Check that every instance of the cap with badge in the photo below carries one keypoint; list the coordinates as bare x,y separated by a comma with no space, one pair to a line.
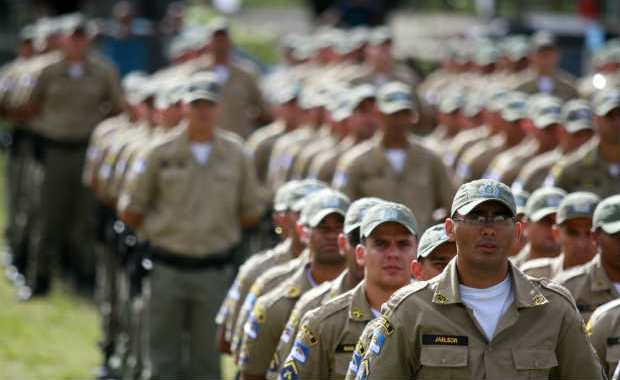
543,202
546,111
606,101
203,86
580,204
293,196
356,212
452,101
394,97
521,197
361,93
542,40
607,215
577,116
168,96
386,212
471,194
432,238
321,204
514,107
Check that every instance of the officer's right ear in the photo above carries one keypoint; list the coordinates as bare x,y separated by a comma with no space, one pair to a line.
302,232
448,225
360,255
416,270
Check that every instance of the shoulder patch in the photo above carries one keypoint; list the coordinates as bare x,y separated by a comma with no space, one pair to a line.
401,294
557,288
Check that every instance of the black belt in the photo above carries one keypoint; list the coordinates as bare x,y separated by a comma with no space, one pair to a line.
65,144
212,261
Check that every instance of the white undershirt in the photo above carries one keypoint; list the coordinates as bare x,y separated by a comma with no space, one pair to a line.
375,312
76,70
397,158
488,304
310,278
221,73
201,152
617,286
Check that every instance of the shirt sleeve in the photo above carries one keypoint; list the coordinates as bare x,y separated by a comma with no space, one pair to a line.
140,190
573,339
308,359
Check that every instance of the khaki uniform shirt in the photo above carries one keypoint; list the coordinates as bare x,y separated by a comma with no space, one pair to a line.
506,166
307,155
324,165
328,336
261,143
284,153
427,333
190,208
311,300
72,107
587,171
361,347
248,273
462,142
562,86
544,267
535,172
604,330
242,102
103,136
475,160
424,185
264,284
589,285
267,321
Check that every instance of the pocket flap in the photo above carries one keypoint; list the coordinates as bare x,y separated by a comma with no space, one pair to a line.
441,356
534,359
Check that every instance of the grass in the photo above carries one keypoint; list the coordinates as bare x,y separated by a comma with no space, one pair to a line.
53,338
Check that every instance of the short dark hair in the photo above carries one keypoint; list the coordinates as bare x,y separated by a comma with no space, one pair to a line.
353,237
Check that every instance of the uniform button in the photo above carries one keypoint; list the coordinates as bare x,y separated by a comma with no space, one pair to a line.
443,361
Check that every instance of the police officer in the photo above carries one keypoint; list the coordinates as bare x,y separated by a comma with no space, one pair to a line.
577,129
598,281
596,167
322,221
327,338
193,234
285,219
434,252
604,334
69,99
347,241
540,211
481,317
573,232
393,166
545,75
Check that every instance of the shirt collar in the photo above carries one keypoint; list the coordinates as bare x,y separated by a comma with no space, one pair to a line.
359,309
526,293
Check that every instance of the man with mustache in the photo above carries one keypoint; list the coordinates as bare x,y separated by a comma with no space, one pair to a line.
481,318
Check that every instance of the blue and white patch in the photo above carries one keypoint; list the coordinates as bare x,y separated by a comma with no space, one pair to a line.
138,167
354,364
299,352
249,302
251,328
362,373
377,342
289,371
287,333
340,179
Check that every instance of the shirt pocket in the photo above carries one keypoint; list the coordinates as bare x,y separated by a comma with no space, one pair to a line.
534,363
444,362
341,364
173,183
